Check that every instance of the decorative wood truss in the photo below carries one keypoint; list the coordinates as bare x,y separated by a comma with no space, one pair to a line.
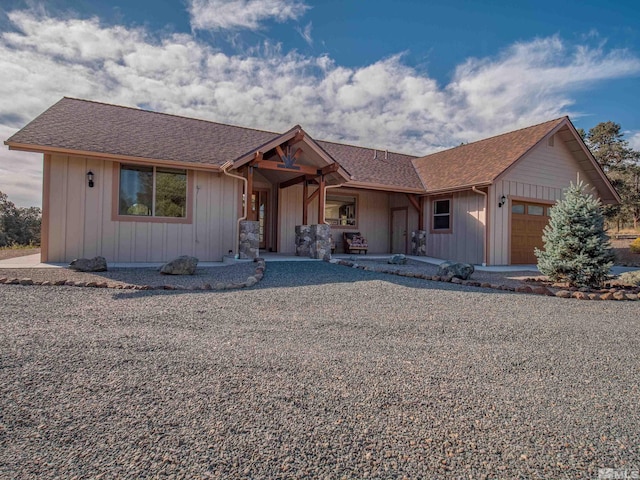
286,161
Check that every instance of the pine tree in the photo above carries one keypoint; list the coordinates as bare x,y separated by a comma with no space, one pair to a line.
576,246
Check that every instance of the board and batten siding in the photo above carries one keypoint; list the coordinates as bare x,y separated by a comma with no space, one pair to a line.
81,225
465,243
541,175
372,215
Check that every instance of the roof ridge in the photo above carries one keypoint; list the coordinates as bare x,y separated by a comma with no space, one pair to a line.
137,109
368,148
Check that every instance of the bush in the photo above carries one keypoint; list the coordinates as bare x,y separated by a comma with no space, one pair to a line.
635,246
631,278
576,246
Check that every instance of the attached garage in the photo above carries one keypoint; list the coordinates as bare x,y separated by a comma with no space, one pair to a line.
527,223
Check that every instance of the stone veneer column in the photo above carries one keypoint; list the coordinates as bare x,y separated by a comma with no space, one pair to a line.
321,246
304,237
419,243
249,242
313,241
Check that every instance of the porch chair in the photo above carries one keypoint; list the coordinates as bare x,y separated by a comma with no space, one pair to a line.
354,242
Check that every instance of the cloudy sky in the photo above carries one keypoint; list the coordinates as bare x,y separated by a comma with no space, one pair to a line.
410,75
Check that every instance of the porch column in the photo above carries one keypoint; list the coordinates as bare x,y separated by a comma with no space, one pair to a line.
305,202
251,212
321,199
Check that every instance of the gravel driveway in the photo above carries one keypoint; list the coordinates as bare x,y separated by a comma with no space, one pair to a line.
319,371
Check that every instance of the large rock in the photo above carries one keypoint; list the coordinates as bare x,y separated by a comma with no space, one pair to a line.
397,259
457,270
95,264
184,265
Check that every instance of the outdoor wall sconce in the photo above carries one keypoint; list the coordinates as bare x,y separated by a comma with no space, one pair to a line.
502,201
90,178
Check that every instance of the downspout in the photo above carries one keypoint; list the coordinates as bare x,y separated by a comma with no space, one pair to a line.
246,202
327,187
486,224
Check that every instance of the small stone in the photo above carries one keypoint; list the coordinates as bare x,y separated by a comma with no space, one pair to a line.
606,296
456,269
207,286
26,281
3,279
60,282
542,291
594,296
631,296
580,295
619,295
92,284
251,281
219,286
485,285
102,285
563,294
398,259
46,283
524,289
436,278
70,283
455,280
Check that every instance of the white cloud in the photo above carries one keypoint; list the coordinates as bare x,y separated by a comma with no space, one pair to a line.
387,104
247,14
305,33
634,141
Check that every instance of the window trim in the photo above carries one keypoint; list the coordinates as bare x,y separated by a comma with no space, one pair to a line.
356,197
433,215
115,212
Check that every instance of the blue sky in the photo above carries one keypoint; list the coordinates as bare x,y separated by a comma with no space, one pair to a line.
410,76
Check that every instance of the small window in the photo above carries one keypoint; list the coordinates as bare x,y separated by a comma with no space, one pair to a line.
535,209
442,215
517,208
341,210
152,192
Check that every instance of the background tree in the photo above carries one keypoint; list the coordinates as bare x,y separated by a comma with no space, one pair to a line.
621,164
18,226
576,246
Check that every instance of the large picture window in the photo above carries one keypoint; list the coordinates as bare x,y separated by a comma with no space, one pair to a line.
441,221
152,192
341,210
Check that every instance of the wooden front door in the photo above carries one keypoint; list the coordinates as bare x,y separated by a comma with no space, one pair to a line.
527,223
399,230
260,205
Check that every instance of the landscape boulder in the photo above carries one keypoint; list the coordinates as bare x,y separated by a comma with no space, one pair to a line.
398,259
184,265
454,269
95,264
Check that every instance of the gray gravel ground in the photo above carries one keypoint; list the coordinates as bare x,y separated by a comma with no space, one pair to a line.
319,371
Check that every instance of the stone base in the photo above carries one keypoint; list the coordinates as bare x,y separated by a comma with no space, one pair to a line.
249,243
313,241
419,243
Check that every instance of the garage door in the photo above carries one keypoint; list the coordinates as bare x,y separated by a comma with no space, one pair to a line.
527,222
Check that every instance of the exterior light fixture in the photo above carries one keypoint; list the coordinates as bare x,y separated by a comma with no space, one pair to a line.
502,201
90,178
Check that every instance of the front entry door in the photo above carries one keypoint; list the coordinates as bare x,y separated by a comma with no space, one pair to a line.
399,230
260,204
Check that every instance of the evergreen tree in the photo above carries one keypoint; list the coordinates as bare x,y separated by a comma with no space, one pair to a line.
576,246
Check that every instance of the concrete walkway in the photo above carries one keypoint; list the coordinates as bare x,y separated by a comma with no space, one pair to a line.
33,261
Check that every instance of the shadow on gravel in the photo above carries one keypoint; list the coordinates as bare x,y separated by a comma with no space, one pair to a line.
299,274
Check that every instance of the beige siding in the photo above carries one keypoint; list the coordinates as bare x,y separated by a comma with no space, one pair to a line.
541,175
373,218
465,243
81,225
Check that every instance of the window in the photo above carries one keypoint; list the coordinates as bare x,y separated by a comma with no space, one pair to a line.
152,192
517,208
441,215
341,210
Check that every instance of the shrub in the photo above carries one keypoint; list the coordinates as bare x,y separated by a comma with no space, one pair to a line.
631,278
635,246
576,246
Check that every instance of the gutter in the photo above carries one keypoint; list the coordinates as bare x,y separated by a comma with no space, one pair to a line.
224,169
486,224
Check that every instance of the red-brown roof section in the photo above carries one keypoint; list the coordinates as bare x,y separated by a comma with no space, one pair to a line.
481,162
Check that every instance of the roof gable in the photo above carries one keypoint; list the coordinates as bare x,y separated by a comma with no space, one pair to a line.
481,162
